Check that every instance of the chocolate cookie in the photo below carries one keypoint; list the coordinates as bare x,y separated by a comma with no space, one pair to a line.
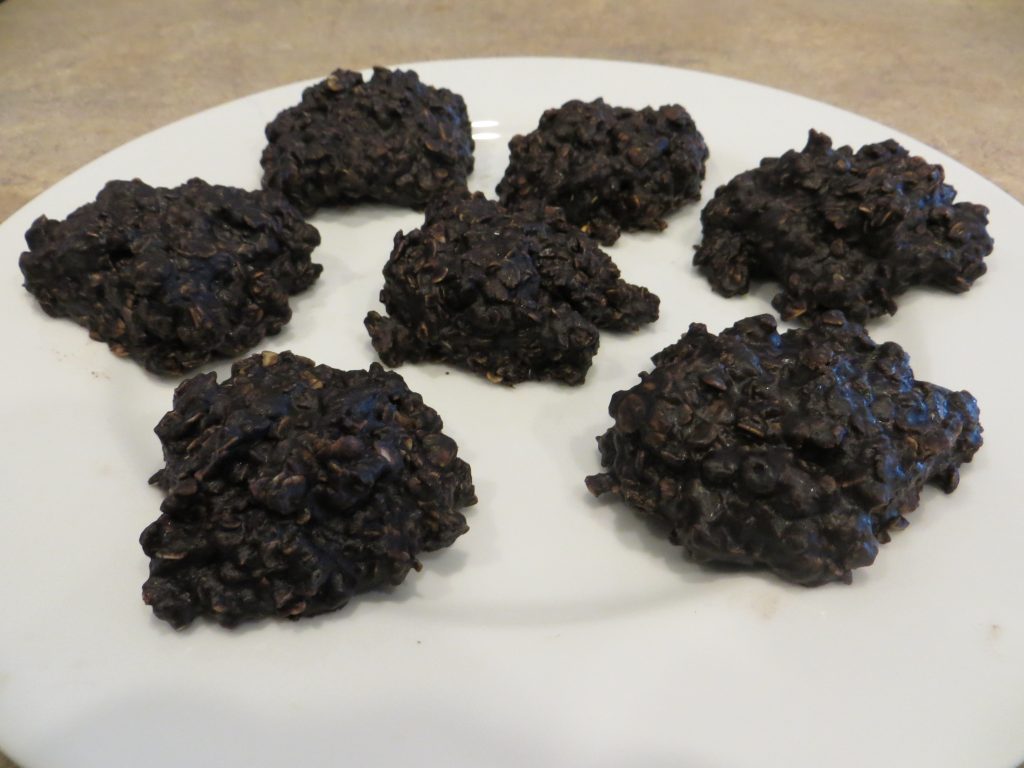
173,277
291,487
391,140
842,230
609,168
798,453
513,295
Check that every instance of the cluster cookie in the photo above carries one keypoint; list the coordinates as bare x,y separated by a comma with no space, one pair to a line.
798,452
173,277
608,168
391,139
291,487
843,230
510,294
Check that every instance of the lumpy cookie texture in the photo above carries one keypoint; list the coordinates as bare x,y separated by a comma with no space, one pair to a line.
843,230
797,452
173,277
291,487
391,139
609,168
511,294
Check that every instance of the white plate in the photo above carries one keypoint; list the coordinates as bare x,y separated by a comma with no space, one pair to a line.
558,631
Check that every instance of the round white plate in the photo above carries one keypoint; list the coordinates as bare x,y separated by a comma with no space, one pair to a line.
559,631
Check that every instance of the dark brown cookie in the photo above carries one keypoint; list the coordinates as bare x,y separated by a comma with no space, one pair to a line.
291,487
513,295
798,453
609,168
842,230
391,139
173,277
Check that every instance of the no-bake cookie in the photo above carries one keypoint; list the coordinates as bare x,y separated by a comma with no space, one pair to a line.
173,277
609,168
843,230
391,139
291,487
513,295
797,452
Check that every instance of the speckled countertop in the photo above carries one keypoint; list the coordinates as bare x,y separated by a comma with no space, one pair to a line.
80,78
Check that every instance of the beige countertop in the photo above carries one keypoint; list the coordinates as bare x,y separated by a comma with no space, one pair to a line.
80,78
